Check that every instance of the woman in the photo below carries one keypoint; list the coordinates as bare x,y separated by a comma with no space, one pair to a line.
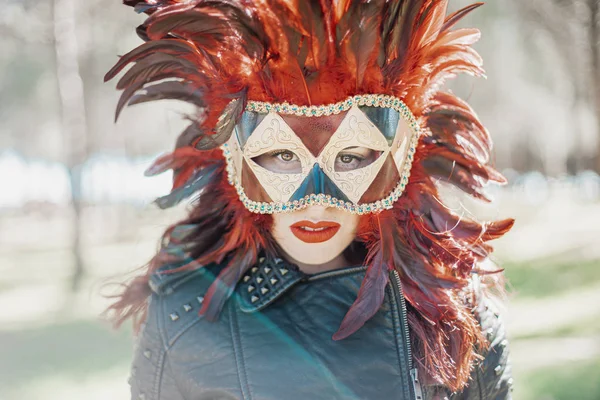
318,261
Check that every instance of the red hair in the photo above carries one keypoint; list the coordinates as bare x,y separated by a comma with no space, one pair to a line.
210,52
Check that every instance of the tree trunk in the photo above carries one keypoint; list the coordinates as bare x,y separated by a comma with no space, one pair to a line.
73,118
594,33
576,64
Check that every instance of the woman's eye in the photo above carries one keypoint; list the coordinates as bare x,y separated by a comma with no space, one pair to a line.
347,158
352,158
348,162
286,156
280,161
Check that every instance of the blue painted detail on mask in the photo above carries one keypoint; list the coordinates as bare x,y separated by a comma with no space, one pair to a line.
247,125
316,183
385,119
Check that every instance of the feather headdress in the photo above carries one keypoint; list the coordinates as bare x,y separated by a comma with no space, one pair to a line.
219,54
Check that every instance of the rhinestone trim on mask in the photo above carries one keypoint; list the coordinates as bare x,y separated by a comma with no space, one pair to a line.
372,100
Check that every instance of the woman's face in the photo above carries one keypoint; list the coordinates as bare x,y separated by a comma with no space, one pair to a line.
315,235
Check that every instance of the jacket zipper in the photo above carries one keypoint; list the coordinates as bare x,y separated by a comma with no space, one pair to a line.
414,373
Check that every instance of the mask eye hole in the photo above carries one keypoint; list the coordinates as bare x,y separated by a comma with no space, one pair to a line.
280,161
352,158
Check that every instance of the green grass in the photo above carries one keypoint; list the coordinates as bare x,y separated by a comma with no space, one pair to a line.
542,278
85,348
76,349
575,381
588,327
545,279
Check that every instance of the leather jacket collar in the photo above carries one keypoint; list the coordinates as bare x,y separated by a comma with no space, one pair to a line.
257,289
271,278
266,282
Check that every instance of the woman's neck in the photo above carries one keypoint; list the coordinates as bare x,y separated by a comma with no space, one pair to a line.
311,269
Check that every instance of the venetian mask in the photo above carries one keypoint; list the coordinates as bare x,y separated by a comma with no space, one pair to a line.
360,165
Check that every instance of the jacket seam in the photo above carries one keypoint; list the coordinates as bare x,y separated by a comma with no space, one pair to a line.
238,353
160,323
162,331
165,283
160,361
175,383
160,364
171,341
479,383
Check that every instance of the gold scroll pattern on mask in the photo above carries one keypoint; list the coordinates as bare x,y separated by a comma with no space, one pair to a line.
274,134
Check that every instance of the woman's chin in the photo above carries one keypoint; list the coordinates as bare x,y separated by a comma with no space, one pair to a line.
315,255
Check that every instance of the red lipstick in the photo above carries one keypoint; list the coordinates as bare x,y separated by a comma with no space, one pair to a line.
311,232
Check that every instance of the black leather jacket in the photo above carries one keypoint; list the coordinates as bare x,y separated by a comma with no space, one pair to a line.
273,341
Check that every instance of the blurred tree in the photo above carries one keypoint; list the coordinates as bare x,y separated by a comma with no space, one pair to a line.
25,49
53,56
594,39
574,28
73,117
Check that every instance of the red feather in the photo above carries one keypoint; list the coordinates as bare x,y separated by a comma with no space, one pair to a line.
210,52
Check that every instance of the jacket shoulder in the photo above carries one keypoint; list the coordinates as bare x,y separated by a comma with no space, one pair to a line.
494,373
491,377
172,309
177,298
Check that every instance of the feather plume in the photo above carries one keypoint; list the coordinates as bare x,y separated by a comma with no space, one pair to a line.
176,47
156,67
372,290
217,54
170,90
399,24
225,124
223,286
178,159
358,36
454,18
194,185
434,13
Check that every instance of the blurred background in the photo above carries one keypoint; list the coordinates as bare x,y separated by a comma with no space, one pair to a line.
76,212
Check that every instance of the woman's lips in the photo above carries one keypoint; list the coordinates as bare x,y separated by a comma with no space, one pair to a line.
310,232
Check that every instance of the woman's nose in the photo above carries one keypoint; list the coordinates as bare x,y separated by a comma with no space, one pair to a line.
317,212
